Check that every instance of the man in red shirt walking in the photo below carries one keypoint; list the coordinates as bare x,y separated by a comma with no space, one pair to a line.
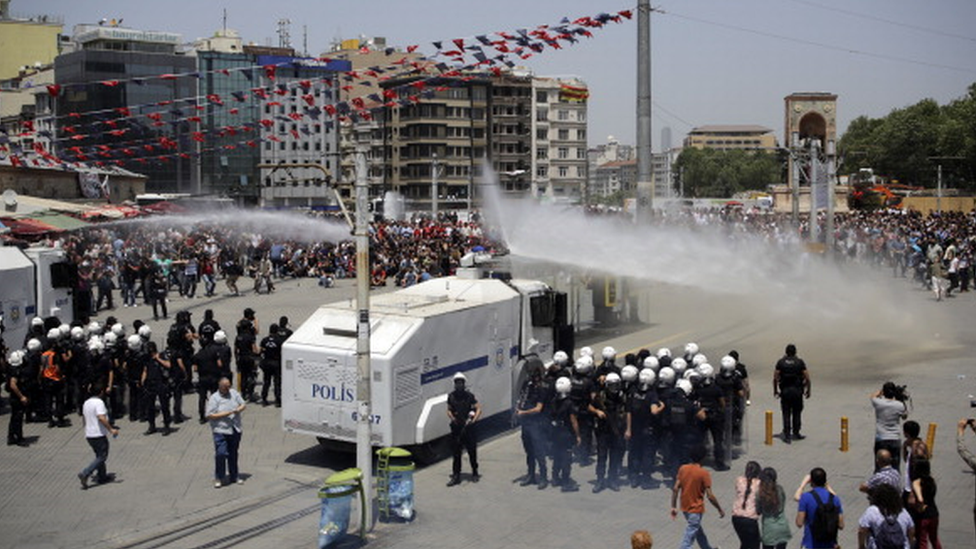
694,483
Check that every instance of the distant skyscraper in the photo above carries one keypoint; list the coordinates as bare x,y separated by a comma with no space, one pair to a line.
665,138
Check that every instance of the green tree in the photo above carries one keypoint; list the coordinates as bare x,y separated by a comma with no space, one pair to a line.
721,174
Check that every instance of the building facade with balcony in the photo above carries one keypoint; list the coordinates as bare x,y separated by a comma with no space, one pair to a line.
559,139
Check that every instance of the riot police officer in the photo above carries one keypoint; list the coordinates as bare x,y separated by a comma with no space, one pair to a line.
529,413
609,407
135,360
581,393
683,412
463,410
271,365
565,435
734,392
245,351
711,398
156,374
207,328
642,406
791,382
205,364
18,399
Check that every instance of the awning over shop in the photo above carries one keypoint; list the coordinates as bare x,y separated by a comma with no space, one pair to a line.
26,227
112,211
59,220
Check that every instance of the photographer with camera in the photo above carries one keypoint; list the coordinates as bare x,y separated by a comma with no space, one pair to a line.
964,452
890,408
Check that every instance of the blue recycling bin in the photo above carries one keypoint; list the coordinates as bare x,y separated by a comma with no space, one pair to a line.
337,494
395,486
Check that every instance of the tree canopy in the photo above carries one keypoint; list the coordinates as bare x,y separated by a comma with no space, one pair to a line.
905,144
721,174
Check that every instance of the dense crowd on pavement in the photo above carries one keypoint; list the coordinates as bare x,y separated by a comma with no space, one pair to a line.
657,412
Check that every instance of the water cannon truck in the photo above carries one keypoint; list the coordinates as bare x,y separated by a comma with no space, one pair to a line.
479,324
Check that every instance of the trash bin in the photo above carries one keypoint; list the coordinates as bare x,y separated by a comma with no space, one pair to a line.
337,494
395,486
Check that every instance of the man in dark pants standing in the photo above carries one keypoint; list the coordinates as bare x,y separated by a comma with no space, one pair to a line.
463,410
18,399
791,383
531,401
271,365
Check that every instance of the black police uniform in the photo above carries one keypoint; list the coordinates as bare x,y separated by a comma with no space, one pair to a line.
461,403
30,386
581,393
712,399
732,387
15,430
271,368
641,451
684,433
157,387
209,374
561,416
532,395
135,362
244,355
116,397
791,382
609,432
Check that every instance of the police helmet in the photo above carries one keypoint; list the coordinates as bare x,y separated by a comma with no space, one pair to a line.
563,386
728,364
691,374
647,376
77,333
111,339
613,381
706,370
666,376
652,363
220,337
685,386
37,322
54,334
560,358
34,345
118,329
134,342
586,351
145,331
679,365
15,358
65,329
460,376
691,349
609,353
583,365
663,352
94,328
699,359
96,346
628,373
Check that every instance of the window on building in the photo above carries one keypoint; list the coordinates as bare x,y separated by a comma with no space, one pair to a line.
542,171
542,134
541,97
563,114
563,171
563,153
581,154
581,135
541,153
542,115
580,171
564,135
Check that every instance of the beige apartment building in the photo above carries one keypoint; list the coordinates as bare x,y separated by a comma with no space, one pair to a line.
729,137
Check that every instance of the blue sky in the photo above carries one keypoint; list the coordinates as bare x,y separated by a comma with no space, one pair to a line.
714,61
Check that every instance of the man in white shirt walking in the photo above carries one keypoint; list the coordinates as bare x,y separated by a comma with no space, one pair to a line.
97,429
224,413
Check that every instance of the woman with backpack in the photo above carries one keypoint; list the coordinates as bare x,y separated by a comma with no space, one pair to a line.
771,505
885,524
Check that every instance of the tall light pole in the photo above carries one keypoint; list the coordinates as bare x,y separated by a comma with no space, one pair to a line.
938,195
364,447
433,187
645,167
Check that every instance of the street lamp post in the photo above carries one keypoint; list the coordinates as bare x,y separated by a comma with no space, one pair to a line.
433,186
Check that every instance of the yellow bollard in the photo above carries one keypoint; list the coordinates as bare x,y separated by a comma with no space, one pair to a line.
930,439
844,435
769,427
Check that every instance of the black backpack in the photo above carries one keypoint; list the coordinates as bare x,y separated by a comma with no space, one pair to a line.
826,520
889,534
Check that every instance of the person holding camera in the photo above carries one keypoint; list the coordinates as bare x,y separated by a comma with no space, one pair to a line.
964,452
890,408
